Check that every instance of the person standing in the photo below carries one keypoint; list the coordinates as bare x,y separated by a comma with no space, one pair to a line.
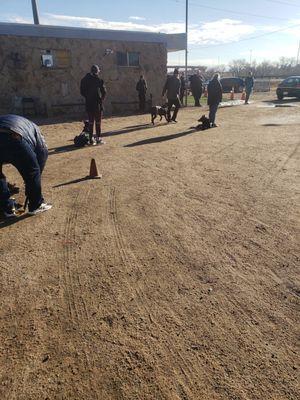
141,88
23,146
214,98
172,89
182,88
249,83
196,87
92,88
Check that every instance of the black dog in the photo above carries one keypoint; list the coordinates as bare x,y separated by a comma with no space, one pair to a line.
158,111
205,124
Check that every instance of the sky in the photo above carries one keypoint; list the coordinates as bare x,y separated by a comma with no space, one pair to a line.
219,30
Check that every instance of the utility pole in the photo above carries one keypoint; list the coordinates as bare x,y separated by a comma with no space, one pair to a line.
298,54
35,12
186,44
250,59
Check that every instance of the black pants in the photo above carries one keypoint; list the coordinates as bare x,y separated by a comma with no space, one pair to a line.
176,103
212,112
95,117
197,97
142,101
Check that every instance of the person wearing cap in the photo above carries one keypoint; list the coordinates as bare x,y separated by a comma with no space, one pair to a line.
92,88
172,89
141,88
23,146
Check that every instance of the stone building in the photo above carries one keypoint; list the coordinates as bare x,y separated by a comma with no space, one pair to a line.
41,66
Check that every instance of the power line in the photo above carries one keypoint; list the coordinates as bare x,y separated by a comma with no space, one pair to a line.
283,2
252,38
231,11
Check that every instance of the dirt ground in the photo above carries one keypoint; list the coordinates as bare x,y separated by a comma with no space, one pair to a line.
173,277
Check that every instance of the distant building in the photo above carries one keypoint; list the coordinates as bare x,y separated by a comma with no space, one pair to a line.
41,66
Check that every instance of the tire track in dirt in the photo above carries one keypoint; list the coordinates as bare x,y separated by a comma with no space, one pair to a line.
132,265
71,283
279,170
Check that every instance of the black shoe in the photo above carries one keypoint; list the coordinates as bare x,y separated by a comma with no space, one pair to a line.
174,120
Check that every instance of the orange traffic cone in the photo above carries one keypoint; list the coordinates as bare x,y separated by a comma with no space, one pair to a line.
243,97
232,93
94,170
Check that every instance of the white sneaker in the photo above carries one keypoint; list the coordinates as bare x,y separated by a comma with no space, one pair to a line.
43,207
100,141
10,214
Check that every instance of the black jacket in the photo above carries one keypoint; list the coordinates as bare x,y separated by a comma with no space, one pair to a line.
172,87
214,92
141,86
196,84
94,91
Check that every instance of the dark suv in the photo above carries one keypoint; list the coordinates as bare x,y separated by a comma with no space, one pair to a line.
229,83
290,87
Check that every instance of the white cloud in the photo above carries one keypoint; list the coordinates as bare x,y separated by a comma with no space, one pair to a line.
272,53
294,30
16,19
137,18
220,31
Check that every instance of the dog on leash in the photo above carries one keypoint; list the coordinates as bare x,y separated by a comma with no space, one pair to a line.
158,111
205,124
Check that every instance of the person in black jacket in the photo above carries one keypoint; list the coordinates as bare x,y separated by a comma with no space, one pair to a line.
141,87
182,88
214,98
172,88
94,91
196,87
23,146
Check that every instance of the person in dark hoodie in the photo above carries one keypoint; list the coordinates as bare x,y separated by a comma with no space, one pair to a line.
172,88
214,98
141,88
92,88
23,146
182,88
196,87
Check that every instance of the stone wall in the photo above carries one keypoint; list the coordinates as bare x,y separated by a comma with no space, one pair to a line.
56,90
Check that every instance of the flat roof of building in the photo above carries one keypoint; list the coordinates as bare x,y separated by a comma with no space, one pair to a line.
173,42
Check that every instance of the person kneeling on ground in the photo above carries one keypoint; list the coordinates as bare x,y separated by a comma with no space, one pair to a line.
23,146
214,98
172,88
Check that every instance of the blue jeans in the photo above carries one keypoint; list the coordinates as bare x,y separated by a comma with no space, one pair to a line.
21,155
212,112
6,204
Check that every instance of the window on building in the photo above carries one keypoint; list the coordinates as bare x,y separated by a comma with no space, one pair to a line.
128,59
56,59
133,59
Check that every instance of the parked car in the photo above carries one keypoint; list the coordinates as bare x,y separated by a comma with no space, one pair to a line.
290,87
229,83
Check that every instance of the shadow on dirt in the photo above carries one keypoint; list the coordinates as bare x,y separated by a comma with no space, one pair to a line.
132,128
5,222
271,125
161,138
283,103
86,178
